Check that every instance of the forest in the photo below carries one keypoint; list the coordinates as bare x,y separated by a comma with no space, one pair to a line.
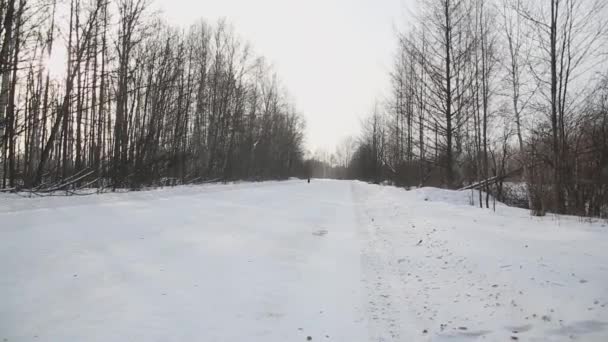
506,97
105,94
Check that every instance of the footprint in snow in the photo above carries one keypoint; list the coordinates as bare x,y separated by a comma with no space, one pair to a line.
320,233
519,328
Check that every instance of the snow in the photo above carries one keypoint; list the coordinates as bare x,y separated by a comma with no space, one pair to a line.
464,197
282,261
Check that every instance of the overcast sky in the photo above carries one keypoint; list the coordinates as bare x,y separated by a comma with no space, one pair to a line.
332,55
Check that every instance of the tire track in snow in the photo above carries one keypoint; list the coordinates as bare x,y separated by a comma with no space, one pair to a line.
385,301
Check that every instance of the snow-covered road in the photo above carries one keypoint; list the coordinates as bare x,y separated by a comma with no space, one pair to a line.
288,261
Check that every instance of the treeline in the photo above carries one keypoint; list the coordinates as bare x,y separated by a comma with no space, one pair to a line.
137,101
489,91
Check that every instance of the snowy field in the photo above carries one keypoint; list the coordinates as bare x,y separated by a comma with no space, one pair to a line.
290,261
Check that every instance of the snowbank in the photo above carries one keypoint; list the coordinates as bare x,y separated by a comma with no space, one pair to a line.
464,197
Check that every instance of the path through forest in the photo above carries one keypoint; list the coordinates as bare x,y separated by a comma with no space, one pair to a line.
285,261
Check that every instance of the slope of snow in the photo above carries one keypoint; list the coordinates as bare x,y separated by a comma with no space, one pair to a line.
464,273
465,197
284,261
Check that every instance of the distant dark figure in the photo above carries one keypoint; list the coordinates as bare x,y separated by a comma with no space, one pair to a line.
308,180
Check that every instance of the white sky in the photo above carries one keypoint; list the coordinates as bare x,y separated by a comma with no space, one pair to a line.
332,55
